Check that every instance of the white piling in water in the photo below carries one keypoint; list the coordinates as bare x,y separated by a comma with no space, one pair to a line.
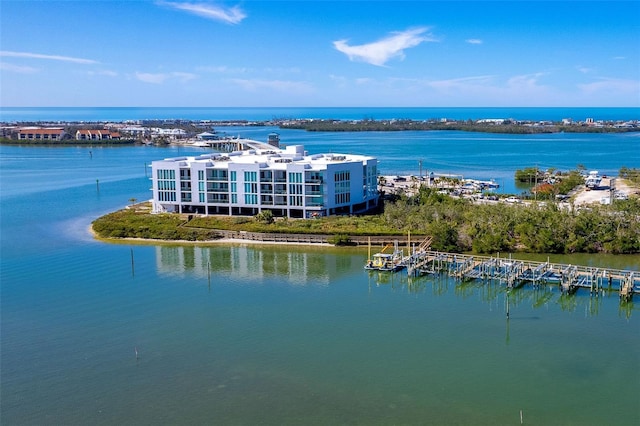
520,416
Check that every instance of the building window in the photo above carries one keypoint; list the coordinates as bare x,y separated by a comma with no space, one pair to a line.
266,176
295,177
295,189
217,175
343,198
166,196
251,188
342,187
295,200
166,174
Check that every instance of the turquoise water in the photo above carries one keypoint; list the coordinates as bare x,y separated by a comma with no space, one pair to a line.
471,155
277,334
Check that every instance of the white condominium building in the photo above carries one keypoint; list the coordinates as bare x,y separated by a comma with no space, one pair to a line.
289,183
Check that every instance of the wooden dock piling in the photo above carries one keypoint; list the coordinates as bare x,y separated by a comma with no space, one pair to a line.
514,273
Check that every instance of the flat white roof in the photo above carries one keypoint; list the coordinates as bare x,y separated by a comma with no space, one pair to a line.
272,157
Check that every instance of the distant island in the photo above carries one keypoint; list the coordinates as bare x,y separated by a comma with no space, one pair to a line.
168,131
500,125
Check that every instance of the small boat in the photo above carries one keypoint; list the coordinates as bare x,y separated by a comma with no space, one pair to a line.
391,262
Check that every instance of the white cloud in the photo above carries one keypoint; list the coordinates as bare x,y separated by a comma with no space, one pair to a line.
17,68
381,51
159,78
30,55
619,58
474,41
233,15
276,85
584,70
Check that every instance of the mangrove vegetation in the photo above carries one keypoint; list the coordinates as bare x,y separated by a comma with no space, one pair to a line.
456,225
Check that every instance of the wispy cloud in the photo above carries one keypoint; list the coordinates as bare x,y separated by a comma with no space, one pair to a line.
232,15
19,69
526,82
608,85
381,51
584,70
30,55
464,83
295,87
516,90
474,41
159,78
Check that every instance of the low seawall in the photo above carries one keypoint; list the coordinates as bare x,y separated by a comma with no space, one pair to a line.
312,238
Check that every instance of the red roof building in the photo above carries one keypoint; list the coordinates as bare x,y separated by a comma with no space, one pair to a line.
37,134
96,134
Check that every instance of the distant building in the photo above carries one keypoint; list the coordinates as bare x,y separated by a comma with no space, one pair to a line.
168,133
136,131
207,136
491,121
40,134
289,183
96,134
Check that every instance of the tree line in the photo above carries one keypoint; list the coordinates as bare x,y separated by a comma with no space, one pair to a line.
458,225
507,126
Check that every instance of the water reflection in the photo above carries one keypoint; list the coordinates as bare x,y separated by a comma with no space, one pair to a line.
244,262
498,296
297,267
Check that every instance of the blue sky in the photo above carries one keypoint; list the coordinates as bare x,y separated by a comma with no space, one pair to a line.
319,53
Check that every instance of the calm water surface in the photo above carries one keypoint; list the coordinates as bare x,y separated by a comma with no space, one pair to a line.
276,335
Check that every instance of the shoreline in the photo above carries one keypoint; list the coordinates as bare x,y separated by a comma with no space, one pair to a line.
219,241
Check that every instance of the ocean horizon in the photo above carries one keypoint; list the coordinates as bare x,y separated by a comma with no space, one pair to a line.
96,114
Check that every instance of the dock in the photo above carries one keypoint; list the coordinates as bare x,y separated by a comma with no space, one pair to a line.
515,273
